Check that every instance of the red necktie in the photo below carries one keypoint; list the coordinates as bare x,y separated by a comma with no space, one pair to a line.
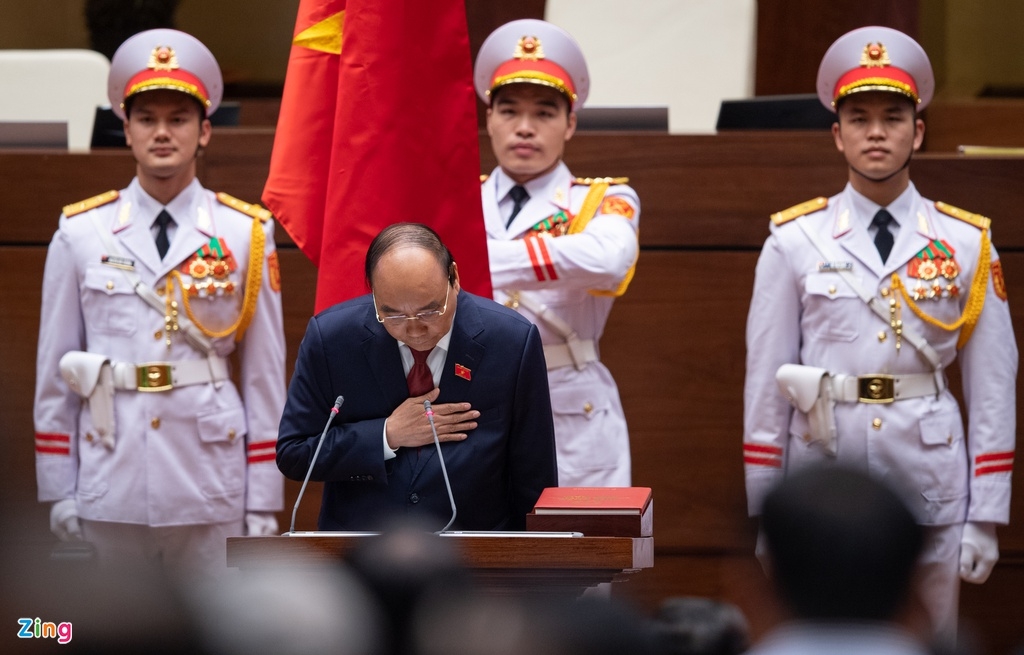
420,379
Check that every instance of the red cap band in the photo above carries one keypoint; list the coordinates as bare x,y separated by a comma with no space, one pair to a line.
542,71
175,80
884,78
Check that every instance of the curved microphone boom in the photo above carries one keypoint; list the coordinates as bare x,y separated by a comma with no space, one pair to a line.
440,457
309,471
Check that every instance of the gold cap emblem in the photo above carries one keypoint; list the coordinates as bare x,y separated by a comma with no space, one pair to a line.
875,56
529,48
163,59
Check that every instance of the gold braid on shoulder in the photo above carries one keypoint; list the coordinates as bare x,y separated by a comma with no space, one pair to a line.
253,281
591,204
975,298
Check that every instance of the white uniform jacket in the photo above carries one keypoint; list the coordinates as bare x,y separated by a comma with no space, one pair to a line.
803,312
190,455
535,257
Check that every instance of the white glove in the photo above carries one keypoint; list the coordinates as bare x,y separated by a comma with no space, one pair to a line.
64,520
979,551
260,524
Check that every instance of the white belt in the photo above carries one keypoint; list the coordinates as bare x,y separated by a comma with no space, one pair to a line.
164,376
575,352
885,388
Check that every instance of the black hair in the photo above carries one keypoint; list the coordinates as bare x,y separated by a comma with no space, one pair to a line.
408,234
691,625
843,545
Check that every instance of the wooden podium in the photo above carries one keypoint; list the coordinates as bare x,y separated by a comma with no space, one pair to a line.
502,564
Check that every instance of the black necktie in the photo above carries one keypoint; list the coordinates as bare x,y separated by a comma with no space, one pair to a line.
162,243
883,238
519,197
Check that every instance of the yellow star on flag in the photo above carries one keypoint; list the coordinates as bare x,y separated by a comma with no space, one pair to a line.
324,36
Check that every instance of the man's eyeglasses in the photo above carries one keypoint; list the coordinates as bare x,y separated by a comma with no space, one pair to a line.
426,317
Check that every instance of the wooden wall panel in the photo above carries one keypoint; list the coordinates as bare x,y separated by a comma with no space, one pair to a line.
703,191
982,122
22,520
38,183
793,35
675,345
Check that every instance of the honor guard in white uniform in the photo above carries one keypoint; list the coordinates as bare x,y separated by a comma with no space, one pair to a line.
861,302
144,444
561,248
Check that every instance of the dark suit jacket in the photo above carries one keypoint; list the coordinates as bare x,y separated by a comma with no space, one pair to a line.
496,474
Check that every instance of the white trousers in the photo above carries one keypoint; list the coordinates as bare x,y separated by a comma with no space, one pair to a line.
938,589
181,549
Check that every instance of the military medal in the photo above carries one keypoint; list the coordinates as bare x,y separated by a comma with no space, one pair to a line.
927,270
949,269
556,225
209,267
198,269
931,266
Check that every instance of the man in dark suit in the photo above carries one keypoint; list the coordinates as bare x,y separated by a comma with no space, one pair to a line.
419,337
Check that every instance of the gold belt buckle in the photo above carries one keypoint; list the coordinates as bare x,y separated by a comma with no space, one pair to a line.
876,389
153,377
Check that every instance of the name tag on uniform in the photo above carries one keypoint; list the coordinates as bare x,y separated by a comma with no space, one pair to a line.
118,262
834,267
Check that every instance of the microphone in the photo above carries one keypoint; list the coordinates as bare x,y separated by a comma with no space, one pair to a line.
440,457
309,471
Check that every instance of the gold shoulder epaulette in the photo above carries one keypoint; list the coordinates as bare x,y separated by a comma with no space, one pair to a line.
483,178
255,211
796,211
977,220
607,180
90,203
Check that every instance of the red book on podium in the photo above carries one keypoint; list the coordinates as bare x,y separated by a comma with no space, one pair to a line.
594,511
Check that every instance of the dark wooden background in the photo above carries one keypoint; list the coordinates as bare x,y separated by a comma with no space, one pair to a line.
675,342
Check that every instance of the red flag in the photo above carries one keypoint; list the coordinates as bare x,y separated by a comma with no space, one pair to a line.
378,126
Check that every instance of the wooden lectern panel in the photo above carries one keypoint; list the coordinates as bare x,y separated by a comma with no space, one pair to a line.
504,552
500,564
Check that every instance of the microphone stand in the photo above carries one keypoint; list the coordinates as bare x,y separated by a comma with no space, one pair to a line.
444,471
309,471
